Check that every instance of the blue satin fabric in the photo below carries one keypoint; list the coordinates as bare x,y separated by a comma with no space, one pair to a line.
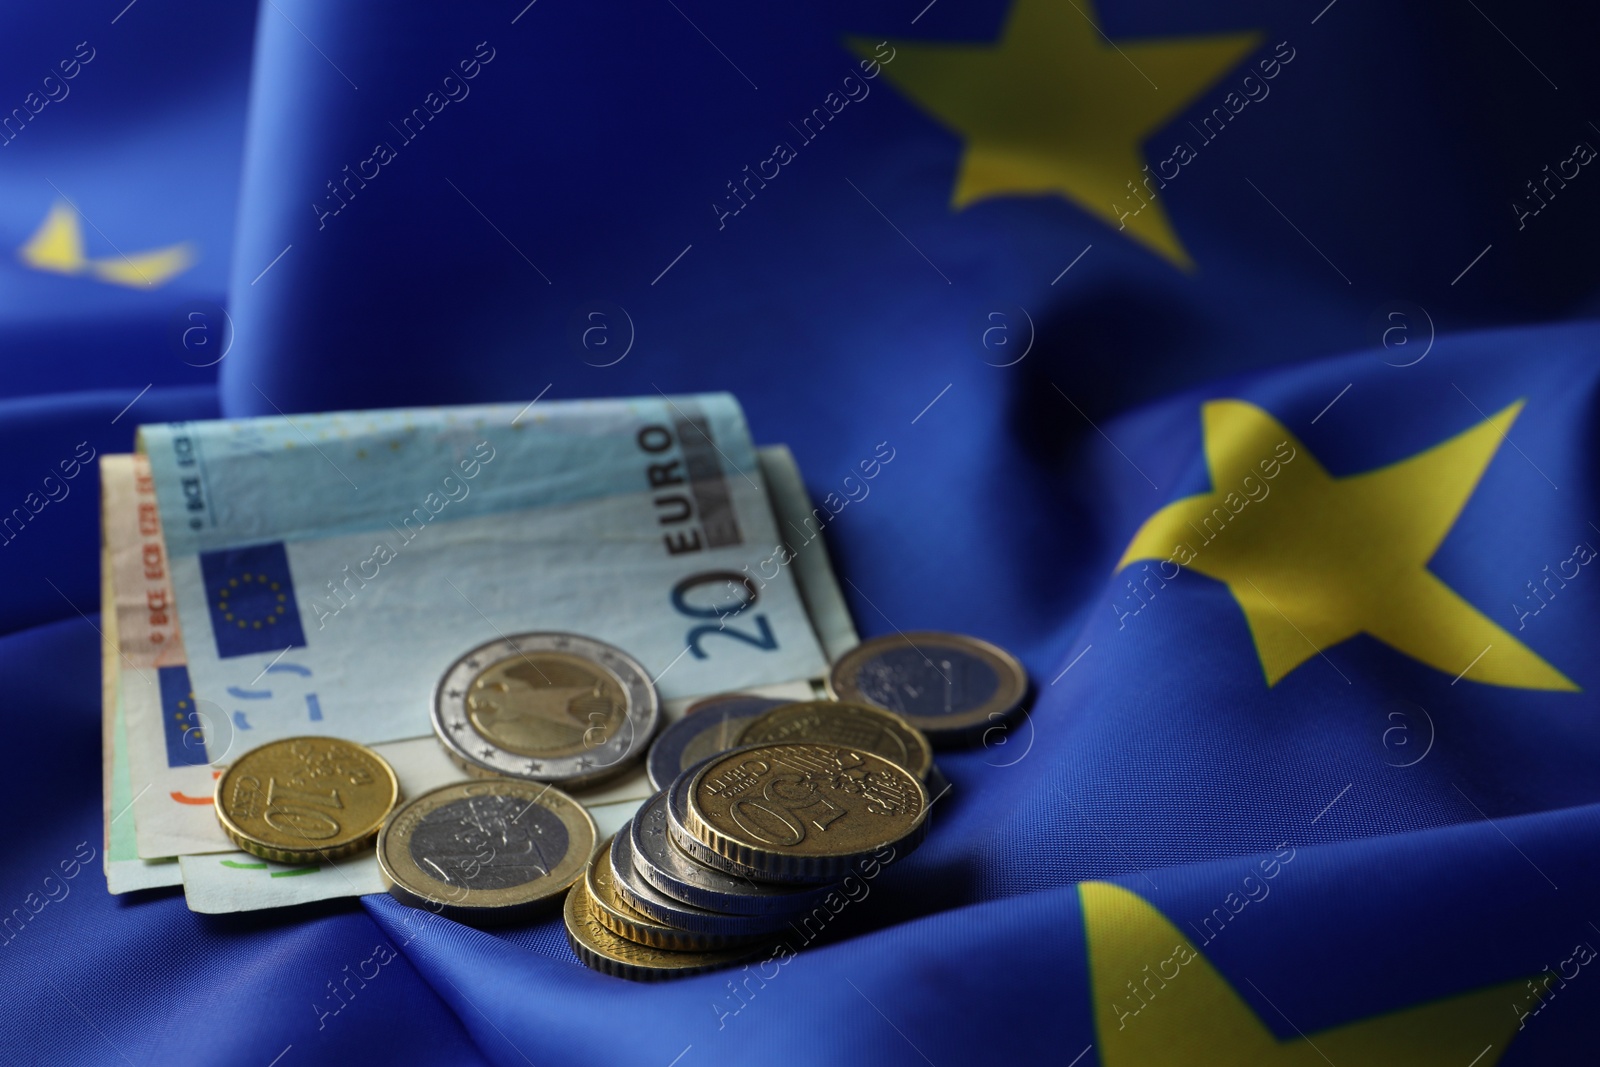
585,159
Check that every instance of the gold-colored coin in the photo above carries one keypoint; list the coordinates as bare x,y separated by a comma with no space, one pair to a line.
550,707
623,920
859,726
546,704
486,851
805,812
603,950
306,799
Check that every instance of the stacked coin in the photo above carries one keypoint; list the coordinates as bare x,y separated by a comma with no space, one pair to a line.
835,722
709,726
711,869
719,723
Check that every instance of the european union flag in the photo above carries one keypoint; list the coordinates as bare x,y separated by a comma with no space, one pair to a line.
181,724
1237,362
250,595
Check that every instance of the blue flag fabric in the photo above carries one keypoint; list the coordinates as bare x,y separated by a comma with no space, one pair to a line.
1236,367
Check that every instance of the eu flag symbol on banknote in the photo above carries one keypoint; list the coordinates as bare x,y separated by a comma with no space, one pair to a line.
181,724
251,598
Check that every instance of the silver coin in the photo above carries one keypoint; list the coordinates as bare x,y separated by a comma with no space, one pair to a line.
950,686
711,726
644,897
546,707
485,851
668,869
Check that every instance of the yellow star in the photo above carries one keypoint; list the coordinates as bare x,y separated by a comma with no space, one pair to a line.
1055,107
57,246
1158,1001
1313,559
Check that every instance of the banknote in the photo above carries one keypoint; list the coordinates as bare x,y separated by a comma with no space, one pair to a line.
172,807
123,868
327,568
217,883
799,539
162,744
125,871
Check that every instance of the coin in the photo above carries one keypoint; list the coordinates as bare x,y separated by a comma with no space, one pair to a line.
621,918
306,799
669,870
683,837
485,851
709,727
804,812
603,950
832,722
550,707
950,686
646,899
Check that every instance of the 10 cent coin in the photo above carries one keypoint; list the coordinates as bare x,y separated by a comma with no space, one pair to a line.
306,799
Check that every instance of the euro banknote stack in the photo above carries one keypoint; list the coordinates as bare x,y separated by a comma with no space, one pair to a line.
313,575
